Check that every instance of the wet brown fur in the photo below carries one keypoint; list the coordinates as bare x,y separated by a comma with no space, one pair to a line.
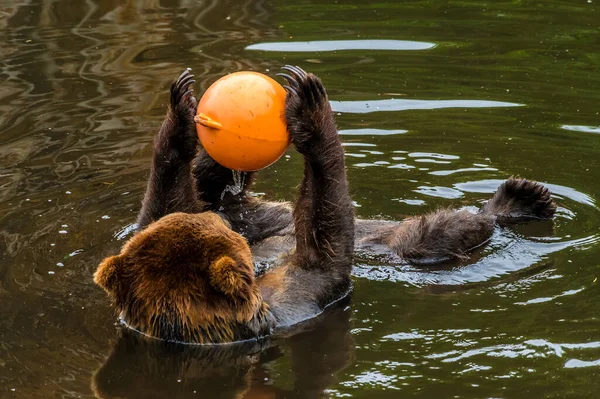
447,234
184,274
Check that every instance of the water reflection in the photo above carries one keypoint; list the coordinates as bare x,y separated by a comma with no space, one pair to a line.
576,363
85,86
508,251
371,132
462,170
433,155
416,157
338,45
439,191
489,186
580,128
550,299
365,107
468,353
139,367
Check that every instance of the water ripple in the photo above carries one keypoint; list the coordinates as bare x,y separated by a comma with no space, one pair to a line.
581,128
439,191
551,298
365,107
512,253
459,340
371,132
451,172
337,45
432,155
490,186
576,363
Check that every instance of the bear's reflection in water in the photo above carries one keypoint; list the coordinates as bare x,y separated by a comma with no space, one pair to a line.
142,367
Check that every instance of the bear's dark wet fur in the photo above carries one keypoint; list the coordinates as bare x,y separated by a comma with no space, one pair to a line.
188,274
448,234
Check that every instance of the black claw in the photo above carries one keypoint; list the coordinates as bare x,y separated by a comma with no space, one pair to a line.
291,81
183,74
300,72
290,89
187,92
287,77
287,68
188,80
305,85
182,89
295,70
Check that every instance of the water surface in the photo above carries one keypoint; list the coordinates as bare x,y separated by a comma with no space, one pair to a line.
446,101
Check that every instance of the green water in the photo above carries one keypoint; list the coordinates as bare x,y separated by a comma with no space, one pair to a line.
465,95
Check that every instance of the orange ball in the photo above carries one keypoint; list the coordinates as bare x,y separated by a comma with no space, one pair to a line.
240,121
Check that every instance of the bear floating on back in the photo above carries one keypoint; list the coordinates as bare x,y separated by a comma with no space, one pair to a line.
188,274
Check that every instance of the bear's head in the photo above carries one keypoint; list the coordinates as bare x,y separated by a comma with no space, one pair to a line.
186,278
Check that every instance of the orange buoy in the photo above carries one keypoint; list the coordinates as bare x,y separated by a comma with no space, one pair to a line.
240,121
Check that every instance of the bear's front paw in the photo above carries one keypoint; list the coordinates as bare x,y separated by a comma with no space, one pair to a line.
183,102
307,110
178,134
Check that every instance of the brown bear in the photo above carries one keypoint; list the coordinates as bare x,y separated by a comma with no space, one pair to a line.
188,275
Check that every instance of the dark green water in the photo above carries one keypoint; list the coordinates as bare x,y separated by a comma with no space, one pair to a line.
472,93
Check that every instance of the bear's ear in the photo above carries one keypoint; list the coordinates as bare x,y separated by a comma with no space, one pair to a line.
230,278
107,273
